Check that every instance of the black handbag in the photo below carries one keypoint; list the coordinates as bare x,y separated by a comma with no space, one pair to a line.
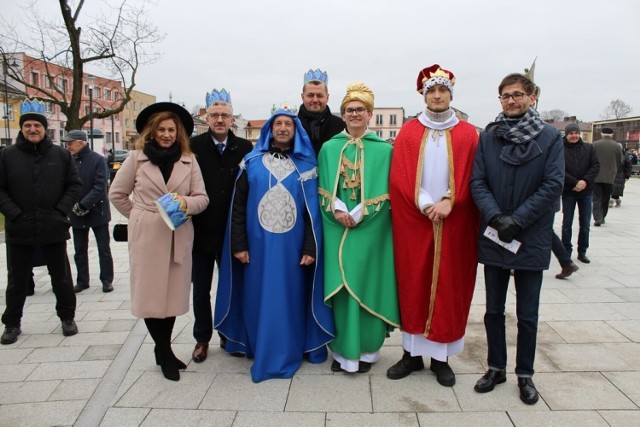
120,232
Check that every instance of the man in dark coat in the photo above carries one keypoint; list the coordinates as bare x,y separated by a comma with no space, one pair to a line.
219,153
516,181
610,156
581,168
91,212
316,117
38,186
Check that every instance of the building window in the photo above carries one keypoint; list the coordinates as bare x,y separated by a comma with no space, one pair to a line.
97,94
379,133
393,120
392,134
65,85
134,105
107,94
61,134
378,120
51,133
8,113
116,95
126,123
47,82
86,110
49,107
108,138
117,137
34,78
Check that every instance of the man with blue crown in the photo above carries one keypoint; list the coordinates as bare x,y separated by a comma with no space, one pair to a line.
219,152
39,185
269,304
316,117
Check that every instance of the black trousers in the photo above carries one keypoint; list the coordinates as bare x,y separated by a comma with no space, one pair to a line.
19,274
202,276
81,256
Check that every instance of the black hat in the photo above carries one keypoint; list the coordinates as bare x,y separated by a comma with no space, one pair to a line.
183,115
607,131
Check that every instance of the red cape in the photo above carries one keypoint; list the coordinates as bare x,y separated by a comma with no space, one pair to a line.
439,313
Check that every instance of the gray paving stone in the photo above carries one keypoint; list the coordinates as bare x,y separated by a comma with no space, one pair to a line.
11,355
109,314
55,354
337,419
304,396
466,419
281,419
558,418
119,325
13,373
69,370
25,392
415,393
587,332
124,417
33,341
178,418
628,352
80,389
86,326
627,294
585,357
579,311
627,383
628,328
630,310
101,352
505,397
41,413
591,295
237,392
580,391
621,418
153,390
96,338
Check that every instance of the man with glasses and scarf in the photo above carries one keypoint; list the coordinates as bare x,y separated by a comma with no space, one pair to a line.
517,179
316,117
219,153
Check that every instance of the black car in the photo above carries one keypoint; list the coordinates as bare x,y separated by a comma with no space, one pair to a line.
115,161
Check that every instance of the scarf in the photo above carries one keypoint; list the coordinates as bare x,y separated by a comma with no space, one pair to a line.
519,135
164,158
314,122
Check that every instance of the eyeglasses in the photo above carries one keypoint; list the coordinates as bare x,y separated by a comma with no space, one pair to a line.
517,96
217,116
358,110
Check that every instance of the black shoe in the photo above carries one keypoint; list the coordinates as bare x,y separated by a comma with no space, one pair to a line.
179,363
489,380
10,334
69,327
405,366
583,258
444,373
79,288
528,392
364,367
335,366
567,271
107,287
168,364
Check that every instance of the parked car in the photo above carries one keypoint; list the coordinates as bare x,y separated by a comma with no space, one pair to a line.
114,161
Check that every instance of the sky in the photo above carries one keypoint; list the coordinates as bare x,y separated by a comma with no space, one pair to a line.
587,51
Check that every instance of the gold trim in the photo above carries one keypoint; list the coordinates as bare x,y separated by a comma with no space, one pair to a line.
452,180
437,237
418,180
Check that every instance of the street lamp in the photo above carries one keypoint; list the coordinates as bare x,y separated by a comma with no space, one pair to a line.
5,70
90,78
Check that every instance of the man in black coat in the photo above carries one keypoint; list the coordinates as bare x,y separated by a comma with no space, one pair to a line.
219,153
91,212
316,117
38,186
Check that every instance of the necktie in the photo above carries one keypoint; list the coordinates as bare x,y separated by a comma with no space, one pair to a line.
220,148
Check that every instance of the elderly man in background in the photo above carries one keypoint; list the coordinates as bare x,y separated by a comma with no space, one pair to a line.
609,154
92,211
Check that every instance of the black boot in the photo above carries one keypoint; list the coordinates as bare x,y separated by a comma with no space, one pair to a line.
405,366
164,355
444,373
169,323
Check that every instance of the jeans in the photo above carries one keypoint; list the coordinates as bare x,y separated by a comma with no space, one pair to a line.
601,196
559,251
569,203
202,276
19,271
81,256
528,285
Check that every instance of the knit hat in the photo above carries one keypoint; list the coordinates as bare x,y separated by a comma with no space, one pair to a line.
33,110
434,75
607,131
358,92
571,127
75,135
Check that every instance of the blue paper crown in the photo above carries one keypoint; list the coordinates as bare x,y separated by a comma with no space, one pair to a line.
316,75
218,95
32,106
284,106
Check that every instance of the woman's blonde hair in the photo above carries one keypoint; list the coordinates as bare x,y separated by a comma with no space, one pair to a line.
152,125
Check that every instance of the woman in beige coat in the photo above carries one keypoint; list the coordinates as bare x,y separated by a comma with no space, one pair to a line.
160,259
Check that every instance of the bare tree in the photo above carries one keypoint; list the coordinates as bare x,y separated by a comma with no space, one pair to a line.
114,43
617,109
556,115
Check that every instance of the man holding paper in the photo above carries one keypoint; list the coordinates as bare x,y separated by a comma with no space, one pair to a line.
517,176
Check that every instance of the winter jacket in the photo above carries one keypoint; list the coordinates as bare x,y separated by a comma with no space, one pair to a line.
527,192
93,172
580,163
39,185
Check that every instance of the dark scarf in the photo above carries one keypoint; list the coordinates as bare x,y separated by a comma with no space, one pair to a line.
164,158
519,134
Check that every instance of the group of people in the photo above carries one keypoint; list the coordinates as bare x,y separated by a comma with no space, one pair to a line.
300,226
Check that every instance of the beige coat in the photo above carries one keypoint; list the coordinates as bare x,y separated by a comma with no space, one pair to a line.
160,259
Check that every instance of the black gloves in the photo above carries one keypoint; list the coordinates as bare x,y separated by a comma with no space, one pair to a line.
79,210
506,226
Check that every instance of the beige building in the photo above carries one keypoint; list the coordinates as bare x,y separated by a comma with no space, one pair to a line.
139,100
386,122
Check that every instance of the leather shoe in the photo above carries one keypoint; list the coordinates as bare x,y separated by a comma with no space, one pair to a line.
567,271
10,334
444,373
597,223
363,367
199,354
69,327
79,288
583,258
489,380
405,366
528,392
107,287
